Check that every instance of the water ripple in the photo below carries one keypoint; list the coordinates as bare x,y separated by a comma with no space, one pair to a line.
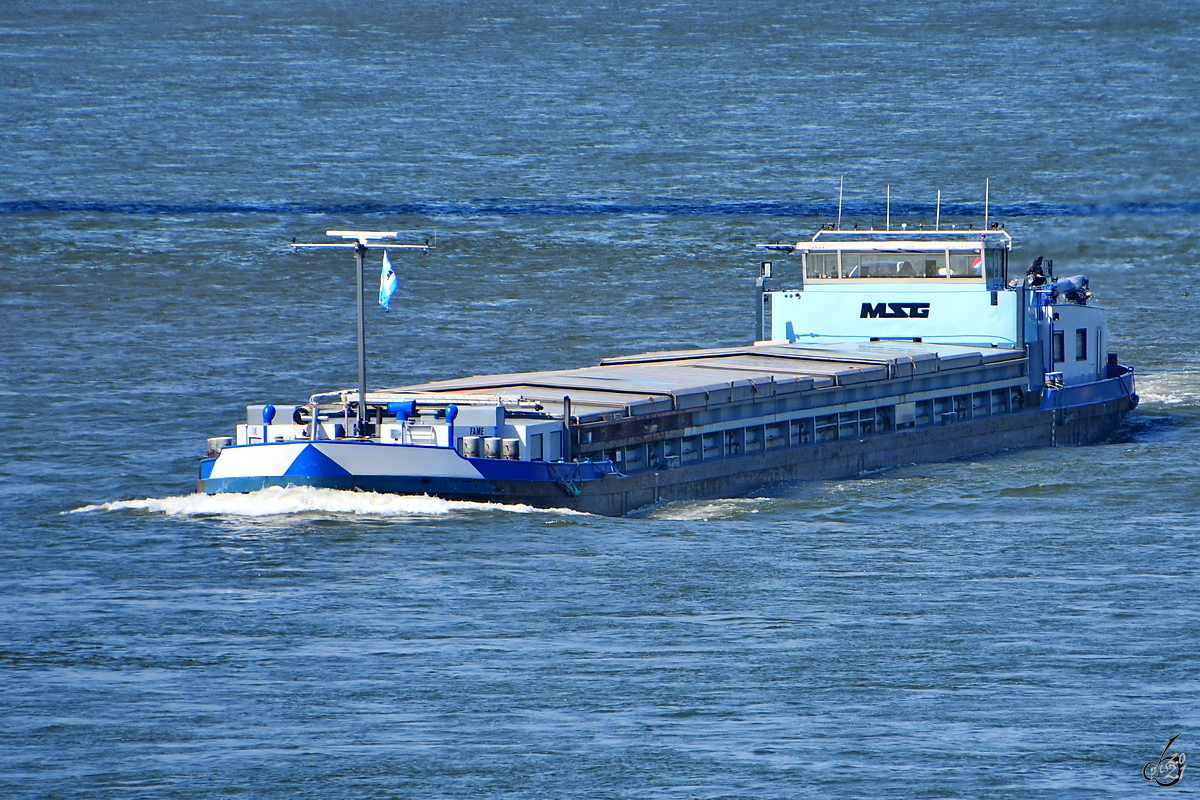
590,208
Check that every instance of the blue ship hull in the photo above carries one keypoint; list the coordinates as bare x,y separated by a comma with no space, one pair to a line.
1084,414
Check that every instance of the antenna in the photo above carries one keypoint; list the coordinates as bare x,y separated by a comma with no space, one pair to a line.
937,220
361,235
841,183
889,207
986,196
361,241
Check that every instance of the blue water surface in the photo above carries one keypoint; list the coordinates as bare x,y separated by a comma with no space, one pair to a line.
594,180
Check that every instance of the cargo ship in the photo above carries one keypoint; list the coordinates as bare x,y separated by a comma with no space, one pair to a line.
881,348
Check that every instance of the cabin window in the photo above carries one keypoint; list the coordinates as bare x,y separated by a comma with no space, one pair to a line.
1081,344
1059,348
933,265
821,265
989,264
535,447
852,265
881,265
966,265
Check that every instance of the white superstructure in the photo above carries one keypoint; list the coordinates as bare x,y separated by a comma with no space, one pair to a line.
938,287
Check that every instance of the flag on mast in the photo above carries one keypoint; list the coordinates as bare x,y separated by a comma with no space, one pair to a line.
387,283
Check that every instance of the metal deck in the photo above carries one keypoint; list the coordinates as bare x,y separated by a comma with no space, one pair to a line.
655,382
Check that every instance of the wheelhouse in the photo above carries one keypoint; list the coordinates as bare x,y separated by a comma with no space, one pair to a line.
966,256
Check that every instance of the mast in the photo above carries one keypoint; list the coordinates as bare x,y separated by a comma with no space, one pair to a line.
362,241
360,252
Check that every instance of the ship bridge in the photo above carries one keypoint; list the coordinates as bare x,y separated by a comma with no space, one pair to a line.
948,287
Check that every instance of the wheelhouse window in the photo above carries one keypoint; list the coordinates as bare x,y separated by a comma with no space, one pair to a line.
821,265
879,265
1081,344
966,265
976,264
1059,349
933,265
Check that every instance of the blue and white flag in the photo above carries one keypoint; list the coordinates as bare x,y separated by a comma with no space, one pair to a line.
387,283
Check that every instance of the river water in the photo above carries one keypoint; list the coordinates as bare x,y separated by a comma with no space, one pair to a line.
594,179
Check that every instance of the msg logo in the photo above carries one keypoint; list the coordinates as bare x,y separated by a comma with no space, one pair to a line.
895,311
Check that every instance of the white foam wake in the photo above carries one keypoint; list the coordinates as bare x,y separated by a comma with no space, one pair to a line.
278,501
1170,389
705,510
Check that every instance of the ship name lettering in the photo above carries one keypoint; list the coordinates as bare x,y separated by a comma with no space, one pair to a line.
895,311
